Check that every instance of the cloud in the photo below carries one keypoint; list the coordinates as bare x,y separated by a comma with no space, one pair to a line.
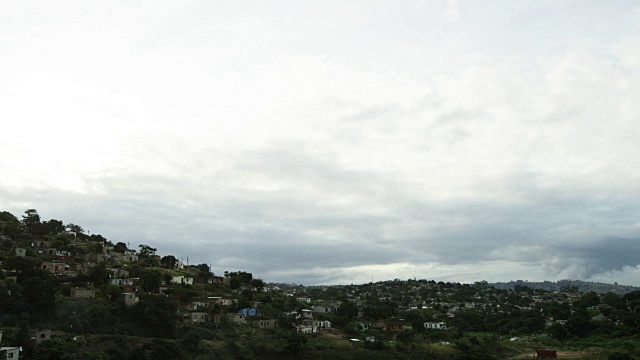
315,153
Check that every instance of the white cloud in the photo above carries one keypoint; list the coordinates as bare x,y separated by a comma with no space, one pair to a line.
377,132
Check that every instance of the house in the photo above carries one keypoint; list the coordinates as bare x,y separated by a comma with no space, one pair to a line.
63,253
395,326
80,293
306,314
65,258
181,279
120,273
196,305
41,244
435,325
11,352
237,318
265,324
195,317
42,335
304,299
364,326
86,267
324,309
305,329
219,280
21,252
218,300
130,298
55,268
102,258
125,257
122,282
322,324
250,312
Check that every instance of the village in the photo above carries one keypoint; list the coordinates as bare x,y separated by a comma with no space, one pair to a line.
68,272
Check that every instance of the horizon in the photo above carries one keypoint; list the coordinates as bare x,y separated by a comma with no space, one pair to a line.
332,142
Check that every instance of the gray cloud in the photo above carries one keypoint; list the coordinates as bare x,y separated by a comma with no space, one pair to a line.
395,141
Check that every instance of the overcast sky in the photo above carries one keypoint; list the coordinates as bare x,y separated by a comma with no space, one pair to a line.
333,142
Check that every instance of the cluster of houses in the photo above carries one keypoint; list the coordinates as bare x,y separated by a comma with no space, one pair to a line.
37,336
212,309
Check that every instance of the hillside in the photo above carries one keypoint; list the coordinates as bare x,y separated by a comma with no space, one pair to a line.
68,295
581,286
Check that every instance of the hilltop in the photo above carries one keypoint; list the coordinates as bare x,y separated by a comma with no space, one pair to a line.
582,286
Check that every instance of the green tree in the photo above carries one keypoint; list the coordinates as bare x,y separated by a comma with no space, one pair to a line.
557,331
75,228
147,256
258,284
347,310
296,343
99,274
31,220
151,279
168,262
120,247
235,283
23,267
9,225
39,292
52,227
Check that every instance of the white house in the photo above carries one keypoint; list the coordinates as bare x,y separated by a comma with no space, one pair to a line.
12,352
182,280
435,325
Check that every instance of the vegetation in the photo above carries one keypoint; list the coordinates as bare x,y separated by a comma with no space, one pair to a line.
100,300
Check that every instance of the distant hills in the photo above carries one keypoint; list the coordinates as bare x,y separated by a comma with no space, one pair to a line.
582,286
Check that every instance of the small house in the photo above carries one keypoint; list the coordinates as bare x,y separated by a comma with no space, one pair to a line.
81,293
130,298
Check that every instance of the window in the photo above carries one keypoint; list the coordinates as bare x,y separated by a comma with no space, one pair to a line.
42,336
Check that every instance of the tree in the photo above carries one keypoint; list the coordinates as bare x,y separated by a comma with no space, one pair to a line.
120,247
52,227
9,224
579,323
146,250
348,311
151,279
405,337
296,342
147,255
234,283
24,267
95,247
258,284
75,228
31,220
168,262
99,274
39,292
557,331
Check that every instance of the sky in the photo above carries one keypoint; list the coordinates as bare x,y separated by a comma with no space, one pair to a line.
333,142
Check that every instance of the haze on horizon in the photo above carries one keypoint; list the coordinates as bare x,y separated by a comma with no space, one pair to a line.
333,142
